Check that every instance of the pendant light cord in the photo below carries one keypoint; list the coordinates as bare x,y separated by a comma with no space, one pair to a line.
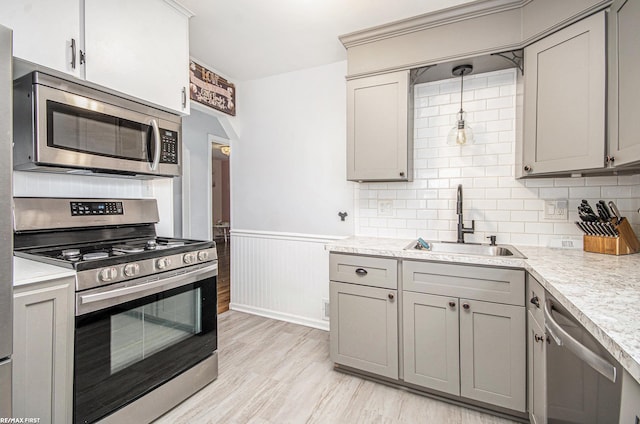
461,89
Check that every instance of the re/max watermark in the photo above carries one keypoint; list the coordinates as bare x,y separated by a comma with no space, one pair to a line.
19,420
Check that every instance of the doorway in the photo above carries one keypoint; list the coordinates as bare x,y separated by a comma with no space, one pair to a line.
220,219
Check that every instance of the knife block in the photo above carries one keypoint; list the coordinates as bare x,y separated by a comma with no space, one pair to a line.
625,244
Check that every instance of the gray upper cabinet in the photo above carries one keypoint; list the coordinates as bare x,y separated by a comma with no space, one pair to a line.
624,84
564,100
380,128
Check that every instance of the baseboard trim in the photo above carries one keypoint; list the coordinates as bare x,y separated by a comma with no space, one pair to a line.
280,316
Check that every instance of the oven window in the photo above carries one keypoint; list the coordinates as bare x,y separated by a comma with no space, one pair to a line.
138,333
83,130
127,350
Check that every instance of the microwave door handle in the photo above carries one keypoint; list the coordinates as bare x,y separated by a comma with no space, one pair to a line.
562,338
156,153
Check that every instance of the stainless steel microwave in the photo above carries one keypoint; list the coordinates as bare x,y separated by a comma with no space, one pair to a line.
68,126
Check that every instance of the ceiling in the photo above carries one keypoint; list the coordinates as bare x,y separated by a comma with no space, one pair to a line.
251,39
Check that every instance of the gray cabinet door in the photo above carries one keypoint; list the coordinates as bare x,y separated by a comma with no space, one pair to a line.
624,84
364,328
379,133
564,100
431,342
493,354
43,351
536,349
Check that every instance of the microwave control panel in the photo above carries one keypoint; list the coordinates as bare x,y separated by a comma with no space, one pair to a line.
96,208
169,146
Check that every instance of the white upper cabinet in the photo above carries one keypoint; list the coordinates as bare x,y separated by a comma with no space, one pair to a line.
45,32
140,48
564,100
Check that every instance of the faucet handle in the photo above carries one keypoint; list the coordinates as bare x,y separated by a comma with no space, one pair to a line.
492,240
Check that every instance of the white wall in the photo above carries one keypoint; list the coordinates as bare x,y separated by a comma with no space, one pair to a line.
501,205
288,183
291,172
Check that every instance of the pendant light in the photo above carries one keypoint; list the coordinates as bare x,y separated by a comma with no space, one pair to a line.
461,133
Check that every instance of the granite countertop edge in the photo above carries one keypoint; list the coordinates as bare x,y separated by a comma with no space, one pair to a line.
600,291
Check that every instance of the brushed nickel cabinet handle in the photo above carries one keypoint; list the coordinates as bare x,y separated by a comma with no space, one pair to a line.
73,53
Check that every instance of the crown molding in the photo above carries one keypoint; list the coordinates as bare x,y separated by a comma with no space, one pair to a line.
430,20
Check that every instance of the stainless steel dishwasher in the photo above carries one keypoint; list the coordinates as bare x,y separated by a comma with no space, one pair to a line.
583,379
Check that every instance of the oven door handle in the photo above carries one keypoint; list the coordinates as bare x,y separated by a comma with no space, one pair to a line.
95,301
562,338
156,153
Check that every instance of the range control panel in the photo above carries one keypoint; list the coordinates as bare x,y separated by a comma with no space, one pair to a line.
96,208
169,149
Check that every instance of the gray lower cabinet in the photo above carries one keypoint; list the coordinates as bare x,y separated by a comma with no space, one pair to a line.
564,100
630,402
493,353
537,345
472,346
380,128
536,352
43,350
364,313
431,341
624,84
364,328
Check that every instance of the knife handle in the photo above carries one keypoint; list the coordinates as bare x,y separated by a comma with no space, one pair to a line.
615,211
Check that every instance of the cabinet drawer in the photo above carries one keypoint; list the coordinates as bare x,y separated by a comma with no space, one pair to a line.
365,270
472,282
535,299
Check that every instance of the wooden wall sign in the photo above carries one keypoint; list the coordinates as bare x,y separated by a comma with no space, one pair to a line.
212,90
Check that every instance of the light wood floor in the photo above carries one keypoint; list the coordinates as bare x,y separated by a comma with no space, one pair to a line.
277,372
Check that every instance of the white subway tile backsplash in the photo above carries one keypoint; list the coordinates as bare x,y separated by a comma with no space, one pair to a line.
500,205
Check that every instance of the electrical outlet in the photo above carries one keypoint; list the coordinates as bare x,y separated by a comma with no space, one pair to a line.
326,312
385,207
556,210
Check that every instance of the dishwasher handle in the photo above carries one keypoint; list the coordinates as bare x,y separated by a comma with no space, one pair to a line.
562,338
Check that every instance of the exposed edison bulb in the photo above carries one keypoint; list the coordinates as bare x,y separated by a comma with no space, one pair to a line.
461,133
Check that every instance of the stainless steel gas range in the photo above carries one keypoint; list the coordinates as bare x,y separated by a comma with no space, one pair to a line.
145,310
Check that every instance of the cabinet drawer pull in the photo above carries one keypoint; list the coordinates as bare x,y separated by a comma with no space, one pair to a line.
390,296
452,304
527,168
538,338
184,97
466,306
361,271
535,301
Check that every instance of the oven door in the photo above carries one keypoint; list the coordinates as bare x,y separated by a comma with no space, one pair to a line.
139,335
77,131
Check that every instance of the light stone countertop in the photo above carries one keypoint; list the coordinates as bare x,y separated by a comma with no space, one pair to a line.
27,272
601,291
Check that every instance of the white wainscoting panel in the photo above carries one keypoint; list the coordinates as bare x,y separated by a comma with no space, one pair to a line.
280,275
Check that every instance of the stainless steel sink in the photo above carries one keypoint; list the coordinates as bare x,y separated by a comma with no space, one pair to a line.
504,250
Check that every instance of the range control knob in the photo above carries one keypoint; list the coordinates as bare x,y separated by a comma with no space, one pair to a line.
108,274
203,255
163,263
131,269
189,258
